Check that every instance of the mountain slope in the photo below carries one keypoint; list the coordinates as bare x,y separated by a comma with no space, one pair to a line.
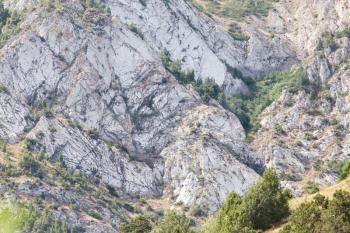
88,88
305,131
86,83
200,44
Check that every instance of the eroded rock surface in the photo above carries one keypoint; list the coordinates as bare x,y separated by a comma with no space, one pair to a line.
200,44
305,135
209,159
94,92
89,86
303,22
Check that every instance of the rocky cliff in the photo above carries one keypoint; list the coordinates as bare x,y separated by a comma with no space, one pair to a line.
87,85
306,133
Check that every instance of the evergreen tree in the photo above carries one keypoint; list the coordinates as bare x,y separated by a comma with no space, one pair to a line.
266,203
140,224
321,215
4,14
345,171
336,218
173,223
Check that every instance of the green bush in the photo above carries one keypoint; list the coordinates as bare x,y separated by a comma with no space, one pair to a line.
328,39
174,67
51,5
303,219
321,215
335,166
90,3
30,166
45,223
236,32
72,179
207,89
309,137
23,217
94,214
265,91
132,27
4,14
311,187
343,33
140,224
93,133
13,217
345,171
278,129
9,23
265,204
3,89
173,223
198,211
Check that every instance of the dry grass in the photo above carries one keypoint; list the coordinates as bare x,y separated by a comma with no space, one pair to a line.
328,192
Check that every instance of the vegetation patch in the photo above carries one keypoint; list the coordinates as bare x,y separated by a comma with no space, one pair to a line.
3,89
231,12
9,23
207,88
172,222
13,217
321,215
236,32
311,187
138,224
29,161
328,39
263,91
23,217
345,171
263,205
236,9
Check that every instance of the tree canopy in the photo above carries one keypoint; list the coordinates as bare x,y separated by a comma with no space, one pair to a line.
321,215
265,204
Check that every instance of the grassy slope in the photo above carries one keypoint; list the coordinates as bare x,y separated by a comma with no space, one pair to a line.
13,217
328,192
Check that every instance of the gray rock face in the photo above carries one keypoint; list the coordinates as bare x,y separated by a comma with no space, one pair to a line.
112,111
37,73
303,22
15,118
68,199
314,136
200,44
95,158
208,159
91,88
